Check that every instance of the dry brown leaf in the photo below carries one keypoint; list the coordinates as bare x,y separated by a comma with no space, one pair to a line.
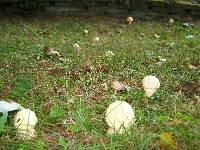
88,67
50,138
167,140
67,134
194,66
102,68
51,52
190,87
96,98
3,64
55,71
74,74
118,86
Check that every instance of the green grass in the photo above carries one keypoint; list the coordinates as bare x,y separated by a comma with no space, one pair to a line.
77,94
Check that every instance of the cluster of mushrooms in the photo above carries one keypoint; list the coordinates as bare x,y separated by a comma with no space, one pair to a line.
119,115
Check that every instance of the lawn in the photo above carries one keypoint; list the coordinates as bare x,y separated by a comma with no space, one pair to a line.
70,93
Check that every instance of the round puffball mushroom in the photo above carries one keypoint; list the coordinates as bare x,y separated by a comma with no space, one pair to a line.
85,32
25,121
119,117
129,20
96,39
150,84
171,21
76,46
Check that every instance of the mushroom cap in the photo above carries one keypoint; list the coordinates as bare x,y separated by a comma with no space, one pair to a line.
150,82
129,19
76,45
25,117
119,116
171,21
96,39
85,31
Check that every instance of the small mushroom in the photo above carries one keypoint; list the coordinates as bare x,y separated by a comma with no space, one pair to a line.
96,39
171,21
129,20
77,46
119,117
85,32
25,121
150,84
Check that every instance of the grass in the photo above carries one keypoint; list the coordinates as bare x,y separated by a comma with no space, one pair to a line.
78,95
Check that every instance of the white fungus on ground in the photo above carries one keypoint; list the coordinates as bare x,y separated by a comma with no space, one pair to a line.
157,36
171,21
129,20
85,32
150,84
96,39
119,117
77,46
25,121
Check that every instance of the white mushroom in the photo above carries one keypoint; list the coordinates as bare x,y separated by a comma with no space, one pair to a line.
129,20
96,39
150,84
77,46
25,121
171,21
85,32
119,117
157,36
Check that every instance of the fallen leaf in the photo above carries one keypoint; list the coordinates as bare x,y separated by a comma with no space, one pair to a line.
50,138
189,87
56,71
3,65
51,52
194,66
102,68
118,86
96,98
88,67
74,74
167,140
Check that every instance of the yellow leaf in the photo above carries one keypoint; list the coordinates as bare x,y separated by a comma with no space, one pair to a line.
167,140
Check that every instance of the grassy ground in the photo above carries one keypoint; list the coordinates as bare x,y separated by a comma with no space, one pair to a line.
75,90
